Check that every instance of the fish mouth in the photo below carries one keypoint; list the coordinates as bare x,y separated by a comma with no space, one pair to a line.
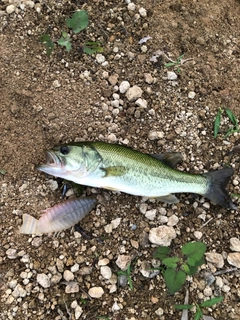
52,159
52,163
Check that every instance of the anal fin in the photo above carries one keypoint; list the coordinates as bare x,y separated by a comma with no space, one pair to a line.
169,198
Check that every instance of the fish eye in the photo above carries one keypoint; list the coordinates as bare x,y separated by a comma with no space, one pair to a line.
64,150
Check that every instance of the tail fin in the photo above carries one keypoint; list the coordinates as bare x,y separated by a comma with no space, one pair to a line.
30,225
217,192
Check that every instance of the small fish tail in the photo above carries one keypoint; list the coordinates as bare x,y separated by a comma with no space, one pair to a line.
30,225
217,192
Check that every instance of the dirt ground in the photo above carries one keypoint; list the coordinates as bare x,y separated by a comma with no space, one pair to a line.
70,97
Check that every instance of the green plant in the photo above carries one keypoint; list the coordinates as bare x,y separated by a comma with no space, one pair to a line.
176,269
127,273
232,118
78,22
199,313
2,171
175,63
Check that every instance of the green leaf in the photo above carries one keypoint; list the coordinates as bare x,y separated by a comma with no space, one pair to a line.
45,38
198,315
235,195
194,252
186,268
169,64
92,47
232,117
180,58
211,302
2,171
171,262
183,306
174,280
161,253
192,271
217,122
65,41
78,22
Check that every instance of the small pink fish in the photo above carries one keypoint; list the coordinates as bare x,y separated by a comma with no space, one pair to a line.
60,217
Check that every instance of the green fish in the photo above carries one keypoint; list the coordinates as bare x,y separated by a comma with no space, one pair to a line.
119,168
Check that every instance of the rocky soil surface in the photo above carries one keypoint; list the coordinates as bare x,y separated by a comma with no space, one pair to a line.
123,95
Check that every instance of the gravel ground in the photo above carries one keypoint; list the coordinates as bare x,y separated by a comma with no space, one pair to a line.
122,95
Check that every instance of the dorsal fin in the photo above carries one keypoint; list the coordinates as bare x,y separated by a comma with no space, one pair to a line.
171,159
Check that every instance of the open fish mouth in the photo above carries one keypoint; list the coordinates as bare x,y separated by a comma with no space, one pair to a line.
52,159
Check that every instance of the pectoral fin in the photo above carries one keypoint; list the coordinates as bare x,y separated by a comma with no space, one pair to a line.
115,171
170,198
171,159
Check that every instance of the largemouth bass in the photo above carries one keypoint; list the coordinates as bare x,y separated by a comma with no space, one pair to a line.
119,168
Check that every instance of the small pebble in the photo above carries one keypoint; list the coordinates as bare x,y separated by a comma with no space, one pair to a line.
96,292
124,86
234,259
171,75
43,280
191,95
131,6
162,235
134,93
143,12
10,9
106,272
235,244
100,58
68,275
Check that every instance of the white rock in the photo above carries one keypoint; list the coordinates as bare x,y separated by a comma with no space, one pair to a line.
123,261
78,312
143,208
115,103
53,185
154,135
215,259
151,214
108,228
131,6
143,12
144,48
115,307
43,280
148,78
162,235
112,137
106,272
141,103
234,259
100,58
134,93
124,86
68,275
56,84
19,292
11,253
172,220
72,287
115,223
207,292
75,267
198,234
171,75
10,9
103,262
96,292
159,312
191,94
235,244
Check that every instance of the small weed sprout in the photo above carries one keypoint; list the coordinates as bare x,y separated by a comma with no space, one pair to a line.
127,274
234,128
199,313
2,171
176,269
78,22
